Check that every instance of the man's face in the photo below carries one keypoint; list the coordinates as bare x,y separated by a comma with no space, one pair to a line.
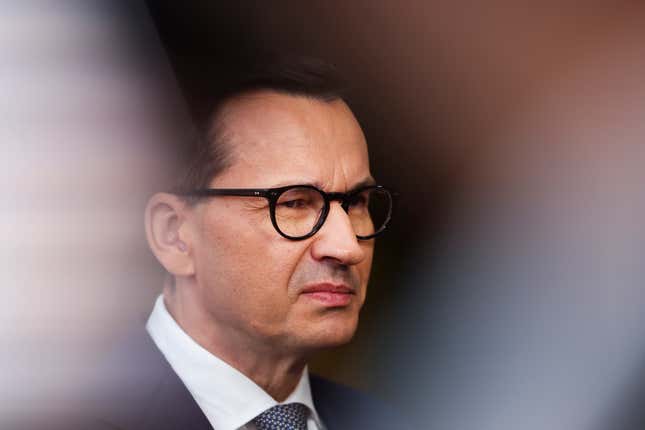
254,283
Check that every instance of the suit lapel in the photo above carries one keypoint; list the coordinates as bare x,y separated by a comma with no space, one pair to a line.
173,407
327,404
148,394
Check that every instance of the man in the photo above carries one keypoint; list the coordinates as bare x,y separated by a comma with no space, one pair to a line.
268,244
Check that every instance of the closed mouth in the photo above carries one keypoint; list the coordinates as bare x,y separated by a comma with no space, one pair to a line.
327,287
330,295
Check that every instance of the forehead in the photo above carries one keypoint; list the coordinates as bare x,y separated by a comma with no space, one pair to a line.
277,139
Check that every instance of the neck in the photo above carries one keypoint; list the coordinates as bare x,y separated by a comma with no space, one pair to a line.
277,372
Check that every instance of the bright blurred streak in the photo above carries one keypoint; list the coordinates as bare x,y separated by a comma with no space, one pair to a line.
88,101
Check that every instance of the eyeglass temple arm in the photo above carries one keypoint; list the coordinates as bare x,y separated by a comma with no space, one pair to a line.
229,192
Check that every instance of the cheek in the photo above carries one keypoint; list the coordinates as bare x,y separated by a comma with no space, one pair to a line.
365,267
239,239
281,259
225,260
249,269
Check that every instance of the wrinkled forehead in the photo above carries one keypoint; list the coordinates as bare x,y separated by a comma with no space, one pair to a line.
275,137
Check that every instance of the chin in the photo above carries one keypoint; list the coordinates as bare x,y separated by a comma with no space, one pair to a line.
333,332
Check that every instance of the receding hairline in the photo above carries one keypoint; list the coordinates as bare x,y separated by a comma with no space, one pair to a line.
218,131
237,99
211,152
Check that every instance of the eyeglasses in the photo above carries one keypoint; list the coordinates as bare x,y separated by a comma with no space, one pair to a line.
299,211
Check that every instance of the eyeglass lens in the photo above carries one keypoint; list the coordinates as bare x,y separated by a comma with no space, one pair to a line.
298,210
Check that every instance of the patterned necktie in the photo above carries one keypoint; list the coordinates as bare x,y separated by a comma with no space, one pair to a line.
292,416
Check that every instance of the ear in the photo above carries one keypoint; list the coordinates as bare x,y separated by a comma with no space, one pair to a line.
168,235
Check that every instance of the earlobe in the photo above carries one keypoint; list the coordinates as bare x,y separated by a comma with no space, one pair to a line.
165,219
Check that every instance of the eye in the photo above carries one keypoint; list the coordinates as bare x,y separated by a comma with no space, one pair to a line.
359,200
294,204
300,200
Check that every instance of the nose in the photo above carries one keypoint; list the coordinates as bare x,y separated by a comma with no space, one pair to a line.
336,239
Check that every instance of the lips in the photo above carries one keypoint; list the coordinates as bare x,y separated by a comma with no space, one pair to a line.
331,295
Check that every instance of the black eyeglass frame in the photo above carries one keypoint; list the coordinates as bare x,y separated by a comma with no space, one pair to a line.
273,194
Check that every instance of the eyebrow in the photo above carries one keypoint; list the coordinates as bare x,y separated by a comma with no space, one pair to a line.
363,183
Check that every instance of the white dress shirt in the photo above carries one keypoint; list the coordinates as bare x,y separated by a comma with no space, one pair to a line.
228,398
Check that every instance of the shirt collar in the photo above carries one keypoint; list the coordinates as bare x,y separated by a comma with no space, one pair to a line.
209,379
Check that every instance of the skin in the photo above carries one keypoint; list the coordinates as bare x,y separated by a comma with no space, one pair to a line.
238,283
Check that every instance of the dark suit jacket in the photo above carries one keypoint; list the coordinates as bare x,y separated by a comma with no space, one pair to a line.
138,390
